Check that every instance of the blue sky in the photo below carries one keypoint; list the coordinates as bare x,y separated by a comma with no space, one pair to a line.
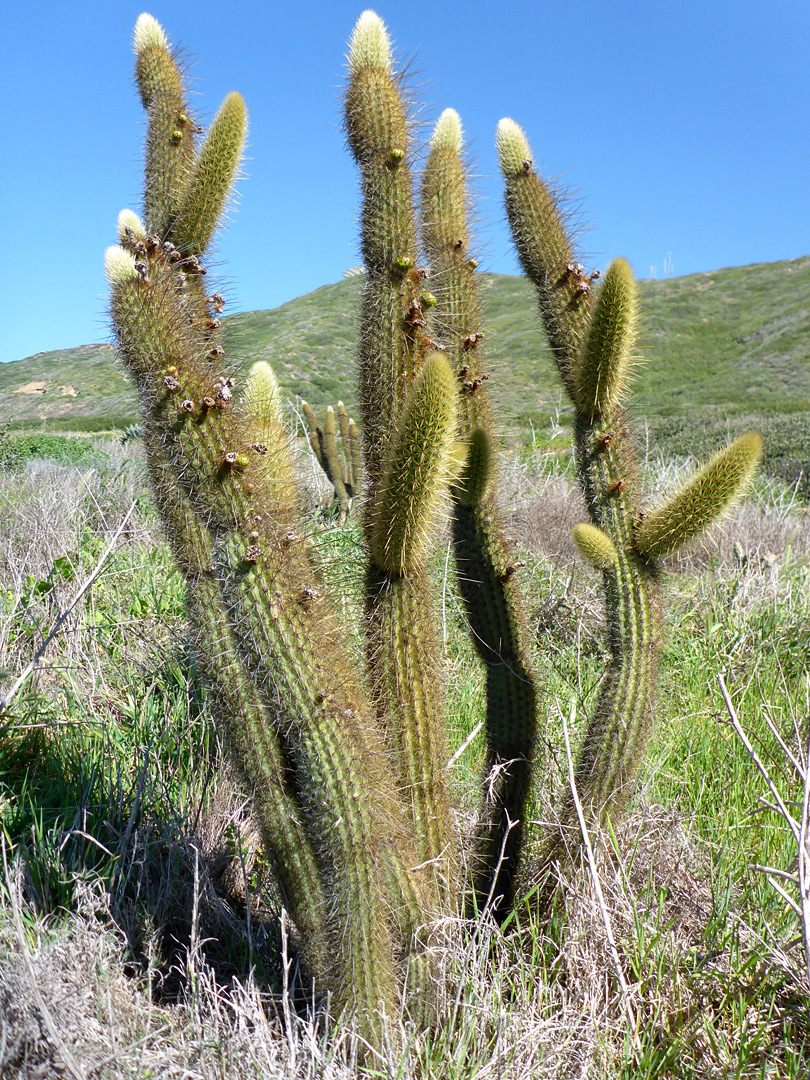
682,128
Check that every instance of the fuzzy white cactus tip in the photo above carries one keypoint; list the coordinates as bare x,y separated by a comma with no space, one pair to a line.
370,45
119,265
448,133
514,151
148,32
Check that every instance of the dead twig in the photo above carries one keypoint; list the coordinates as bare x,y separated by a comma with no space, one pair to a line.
6,700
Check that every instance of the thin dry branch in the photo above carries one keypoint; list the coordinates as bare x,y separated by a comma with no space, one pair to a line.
6,700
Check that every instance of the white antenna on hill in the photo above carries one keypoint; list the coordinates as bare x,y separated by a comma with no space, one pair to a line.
653,273
668,265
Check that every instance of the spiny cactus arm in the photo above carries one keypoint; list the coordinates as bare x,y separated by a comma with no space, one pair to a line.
349,480
475,474
603,370
400,638
334,466
323,441
274,601
252,740
701,501
593,349
545,251
170,151
211,181
595,546
391,345
417,472
313,434
621,722
355,455
485,564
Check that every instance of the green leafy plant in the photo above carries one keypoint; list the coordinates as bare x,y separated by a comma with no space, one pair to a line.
347,762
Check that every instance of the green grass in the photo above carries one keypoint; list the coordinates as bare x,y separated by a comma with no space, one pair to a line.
112,785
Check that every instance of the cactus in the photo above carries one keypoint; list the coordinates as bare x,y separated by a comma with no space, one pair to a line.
485,567
346,760
592,339
343,468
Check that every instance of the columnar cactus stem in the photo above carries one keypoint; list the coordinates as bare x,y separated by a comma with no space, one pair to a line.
170,150
486,568
592,351
592,341
339,468
545,251
392,349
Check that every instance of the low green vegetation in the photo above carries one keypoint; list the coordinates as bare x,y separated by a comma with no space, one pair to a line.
132,843
15,450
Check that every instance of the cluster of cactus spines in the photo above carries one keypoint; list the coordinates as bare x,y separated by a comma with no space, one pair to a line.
342,467
397,392
592,337
485,562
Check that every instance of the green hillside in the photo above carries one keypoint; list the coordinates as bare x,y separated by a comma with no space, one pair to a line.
732,343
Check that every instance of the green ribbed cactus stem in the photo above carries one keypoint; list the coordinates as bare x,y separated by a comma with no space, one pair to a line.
545,251
262,397
488,580
211,180
348,465
407,690
392,342
400,637
170,150
621,722
475,475
274,599
593,347
701,501
595,546
260,403
335,466
355,455
486,566
603,371
323,441
253,743
417,473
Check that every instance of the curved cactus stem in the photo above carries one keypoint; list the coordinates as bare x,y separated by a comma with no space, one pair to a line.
592,345
545,251
211,180
701,501
170,150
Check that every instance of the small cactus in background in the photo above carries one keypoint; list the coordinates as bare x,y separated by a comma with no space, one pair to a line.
342,466
347,762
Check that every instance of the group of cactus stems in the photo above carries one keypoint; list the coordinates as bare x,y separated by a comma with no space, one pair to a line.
342,467
347,763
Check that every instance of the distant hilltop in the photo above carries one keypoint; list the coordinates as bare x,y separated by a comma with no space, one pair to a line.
736,340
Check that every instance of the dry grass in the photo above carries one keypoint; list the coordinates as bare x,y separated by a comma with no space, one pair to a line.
171,962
